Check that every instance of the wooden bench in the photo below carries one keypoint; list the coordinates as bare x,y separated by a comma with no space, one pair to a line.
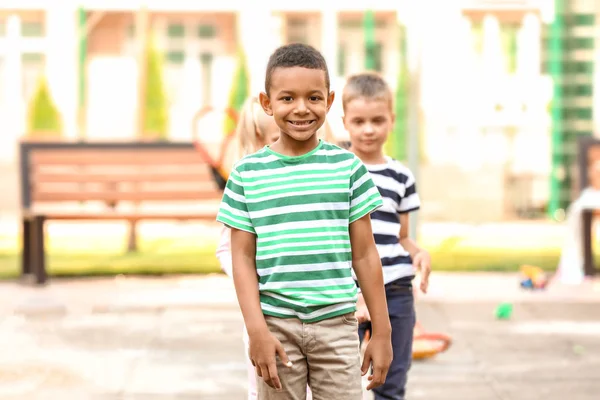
109,181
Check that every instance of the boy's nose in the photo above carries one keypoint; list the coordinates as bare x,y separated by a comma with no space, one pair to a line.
301,107
368,129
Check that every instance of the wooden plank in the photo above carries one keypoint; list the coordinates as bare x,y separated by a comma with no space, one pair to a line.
114,216
197,178
116,157
175,196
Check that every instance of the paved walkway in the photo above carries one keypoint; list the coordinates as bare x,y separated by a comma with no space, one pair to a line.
179,338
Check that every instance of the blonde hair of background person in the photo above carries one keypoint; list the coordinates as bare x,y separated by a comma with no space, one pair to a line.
254,130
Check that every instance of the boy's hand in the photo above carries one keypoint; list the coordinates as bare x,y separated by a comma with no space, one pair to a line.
362,312
263,348
379,353
422,262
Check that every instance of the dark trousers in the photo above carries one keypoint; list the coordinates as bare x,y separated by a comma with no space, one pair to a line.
401,308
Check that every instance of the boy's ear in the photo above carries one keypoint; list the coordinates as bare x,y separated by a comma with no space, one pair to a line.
265,103
330,98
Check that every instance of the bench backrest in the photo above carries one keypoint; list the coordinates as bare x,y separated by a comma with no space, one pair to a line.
114,172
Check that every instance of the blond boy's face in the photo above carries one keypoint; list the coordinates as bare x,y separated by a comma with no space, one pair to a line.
298,100
368,122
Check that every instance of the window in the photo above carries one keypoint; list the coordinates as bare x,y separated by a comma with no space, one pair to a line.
207,31
206,60
176,31
509,46
32,29
378,56
584,19
477,36
341,60
297,30
175,43
175,57
33,67
583,43
130,33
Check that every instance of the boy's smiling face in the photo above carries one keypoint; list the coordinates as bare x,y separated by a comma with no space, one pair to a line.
299,100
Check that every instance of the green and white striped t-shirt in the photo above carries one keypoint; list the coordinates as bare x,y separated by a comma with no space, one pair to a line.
300,209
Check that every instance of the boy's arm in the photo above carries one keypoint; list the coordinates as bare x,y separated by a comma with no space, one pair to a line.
263,345
421,258
367,266
246,281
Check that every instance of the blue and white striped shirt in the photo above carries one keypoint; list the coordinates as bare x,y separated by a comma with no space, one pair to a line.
396,184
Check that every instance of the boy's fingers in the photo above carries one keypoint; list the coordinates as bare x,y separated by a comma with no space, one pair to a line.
283,356
266,375
376,380
425,279
365,364
276,383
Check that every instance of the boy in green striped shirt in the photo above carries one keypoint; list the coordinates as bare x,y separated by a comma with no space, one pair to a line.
299,213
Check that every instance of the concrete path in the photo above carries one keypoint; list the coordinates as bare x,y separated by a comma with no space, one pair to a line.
180,338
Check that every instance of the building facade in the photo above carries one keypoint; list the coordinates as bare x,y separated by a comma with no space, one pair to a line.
484,98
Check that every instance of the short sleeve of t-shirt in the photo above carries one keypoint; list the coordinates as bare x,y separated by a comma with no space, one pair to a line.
233,211
410,201
364,196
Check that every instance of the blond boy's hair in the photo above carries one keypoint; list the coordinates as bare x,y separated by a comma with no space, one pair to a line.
369,85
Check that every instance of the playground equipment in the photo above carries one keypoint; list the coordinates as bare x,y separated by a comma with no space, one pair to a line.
428,344
533,277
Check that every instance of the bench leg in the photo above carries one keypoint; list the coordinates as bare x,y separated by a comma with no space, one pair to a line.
132,238
26,251
589,267
38,251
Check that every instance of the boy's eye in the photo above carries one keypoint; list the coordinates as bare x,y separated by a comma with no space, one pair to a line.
287,98
314,98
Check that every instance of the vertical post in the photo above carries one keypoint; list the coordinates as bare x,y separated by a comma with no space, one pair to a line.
82,55
396,145
555,58
26,250
38,256
589,267
141,29
369,28
329,41
414,105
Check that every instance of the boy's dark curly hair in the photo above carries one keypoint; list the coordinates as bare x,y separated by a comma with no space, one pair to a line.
296,55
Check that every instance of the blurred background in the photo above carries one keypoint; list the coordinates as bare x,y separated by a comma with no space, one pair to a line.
114,118
491,95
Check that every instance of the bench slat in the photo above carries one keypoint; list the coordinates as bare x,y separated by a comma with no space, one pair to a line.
175,196
194,178
208,215
115,157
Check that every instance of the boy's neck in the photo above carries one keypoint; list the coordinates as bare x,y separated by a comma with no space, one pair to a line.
287,146
369,158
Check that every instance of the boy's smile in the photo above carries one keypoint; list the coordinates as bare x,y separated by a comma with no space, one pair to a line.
299,100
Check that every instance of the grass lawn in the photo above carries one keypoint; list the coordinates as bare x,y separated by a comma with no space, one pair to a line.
70,255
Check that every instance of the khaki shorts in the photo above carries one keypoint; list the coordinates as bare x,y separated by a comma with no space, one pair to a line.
325,354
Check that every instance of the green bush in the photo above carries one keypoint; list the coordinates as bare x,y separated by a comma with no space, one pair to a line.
43,117
156,107
240,89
